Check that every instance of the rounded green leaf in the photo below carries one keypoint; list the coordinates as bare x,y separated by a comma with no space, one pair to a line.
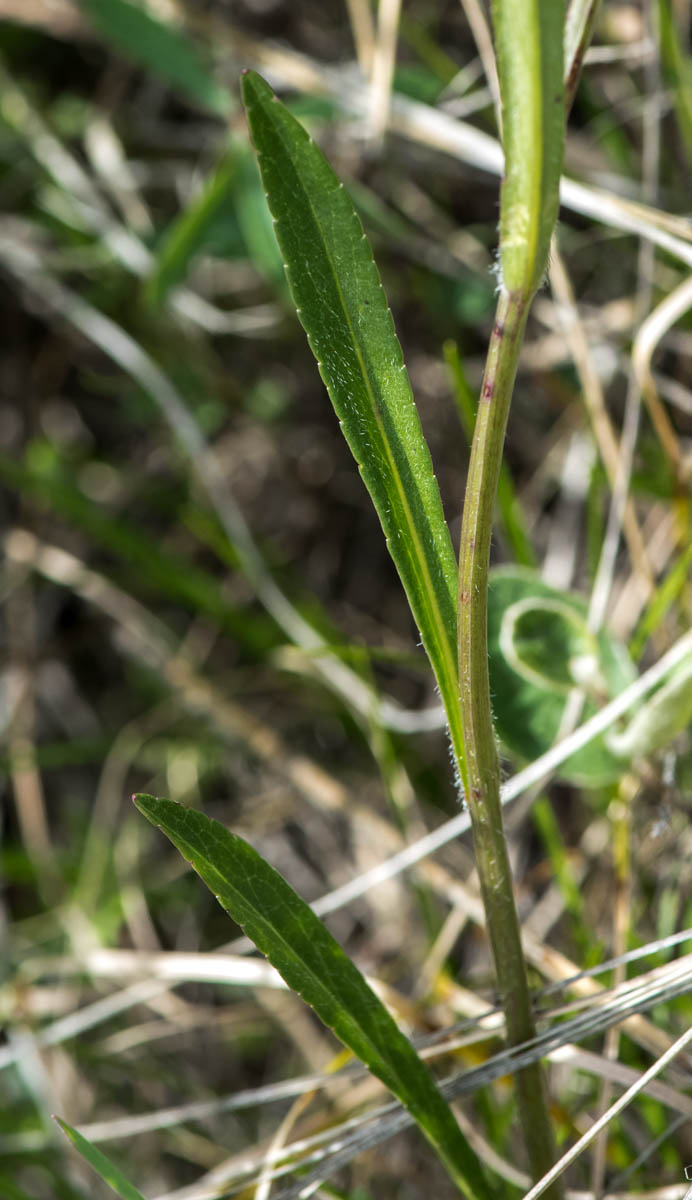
548,644
540,648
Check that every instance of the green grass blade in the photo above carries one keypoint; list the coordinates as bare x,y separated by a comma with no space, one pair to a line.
530,58
46,481
341,304
186,235
678,71
314,965
166,51
103,1166
664,597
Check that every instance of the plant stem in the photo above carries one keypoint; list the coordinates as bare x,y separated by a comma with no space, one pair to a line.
481,775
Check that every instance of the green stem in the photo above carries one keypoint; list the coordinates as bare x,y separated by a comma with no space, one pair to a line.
481,775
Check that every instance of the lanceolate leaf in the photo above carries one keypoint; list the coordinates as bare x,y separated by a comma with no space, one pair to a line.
529,38
341,304
313,964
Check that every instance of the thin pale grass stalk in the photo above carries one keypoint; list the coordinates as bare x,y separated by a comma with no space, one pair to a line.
200,1110
619,1106
85,1018
382,72
620,817
651,130
363,30
560,556
594,400
663,534
487,1154
277,1144
478,24
664,316
110,164
440,950
177,966
651,146
571,980
605,573
26,779
635,54
607,1069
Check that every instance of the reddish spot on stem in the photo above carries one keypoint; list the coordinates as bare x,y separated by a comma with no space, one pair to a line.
476,793
499,330
465,597
487,392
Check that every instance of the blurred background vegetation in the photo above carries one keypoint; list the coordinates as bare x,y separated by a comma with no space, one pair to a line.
198,601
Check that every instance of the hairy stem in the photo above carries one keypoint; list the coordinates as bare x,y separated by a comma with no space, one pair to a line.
482,769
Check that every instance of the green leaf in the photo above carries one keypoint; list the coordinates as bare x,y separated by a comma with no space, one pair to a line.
102,1165
314,965
665,595
257,228
341,304
530,58
161,48
187,234
677,70
540,648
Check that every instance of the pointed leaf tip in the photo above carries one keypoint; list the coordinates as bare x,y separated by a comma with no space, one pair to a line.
339,299
313,964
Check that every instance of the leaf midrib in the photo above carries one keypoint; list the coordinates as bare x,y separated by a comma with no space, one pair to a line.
429,591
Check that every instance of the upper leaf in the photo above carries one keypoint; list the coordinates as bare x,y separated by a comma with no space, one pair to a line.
341,304
313,964
530,57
